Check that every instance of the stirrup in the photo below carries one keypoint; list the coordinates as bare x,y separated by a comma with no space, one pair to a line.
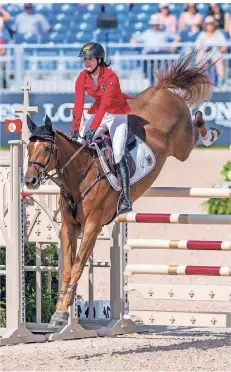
123,211
126,209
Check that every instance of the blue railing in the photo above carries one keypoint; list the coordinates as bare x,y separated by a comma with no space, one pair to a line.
53,68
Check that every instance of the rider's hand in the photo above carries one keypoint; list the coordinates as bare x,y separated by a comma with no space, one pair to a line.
74,134
89,136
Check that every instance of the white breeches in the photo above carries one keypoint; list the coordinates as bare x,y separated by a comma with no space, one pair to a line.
117,125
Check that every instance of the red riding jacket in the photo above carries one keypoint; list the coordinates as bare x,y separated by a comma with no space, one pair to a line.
107,94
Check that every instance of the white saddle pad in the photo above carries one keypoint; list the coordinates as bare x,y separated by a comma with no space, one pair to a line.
143,157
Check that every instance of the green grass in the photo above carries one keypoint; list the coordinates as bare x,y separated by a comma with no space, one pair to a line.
4,148
213,147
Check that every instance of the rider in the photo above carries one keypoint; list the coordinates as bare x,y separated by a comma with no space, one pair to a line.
109,111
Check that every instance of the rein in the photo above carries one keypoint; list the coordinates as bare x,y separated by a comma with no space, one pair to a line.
71,158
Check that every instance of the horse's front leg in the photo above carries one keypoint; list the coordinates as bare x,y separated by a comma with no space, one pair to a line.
69,236
91,231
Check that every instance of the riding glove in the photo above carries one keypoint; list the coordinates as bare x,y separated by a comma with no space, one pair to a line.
89,136
74,134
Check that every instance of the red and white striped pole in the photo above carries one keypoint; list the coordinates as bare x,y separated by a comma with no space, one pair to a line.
199,245
200,219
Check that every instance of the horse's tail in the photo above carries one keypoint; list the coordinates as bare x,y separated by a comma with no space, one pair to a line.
195,86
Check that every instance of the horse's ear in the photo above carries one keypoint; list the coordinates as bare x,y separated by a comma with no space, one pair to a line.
31,125
48,123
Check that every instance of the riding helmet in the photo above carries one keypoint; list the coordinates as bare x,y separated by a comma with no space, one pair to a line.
92,50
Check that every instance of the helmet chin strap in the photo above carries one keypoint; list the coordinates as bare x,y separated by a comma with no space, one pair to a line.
98,64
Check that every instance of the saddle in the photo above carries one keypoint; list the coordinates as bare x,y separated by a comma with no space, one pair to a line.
105,145
140,158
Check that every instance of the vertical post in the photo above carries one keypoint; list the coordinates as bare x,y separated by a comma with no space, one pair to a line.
19,56
25,109
117,325
116,302
16,331
22,228
124,279
38,284
13,317
91,287
106,43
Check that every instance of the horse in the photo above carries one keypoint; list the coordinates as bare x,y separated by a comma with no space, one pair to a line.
161,117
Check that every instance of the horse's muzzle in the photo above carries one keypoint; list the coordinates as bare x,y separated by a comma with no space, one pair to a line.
32,182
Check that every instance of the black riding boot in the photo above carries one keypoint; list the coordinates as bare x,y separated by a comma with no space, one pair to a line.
124,203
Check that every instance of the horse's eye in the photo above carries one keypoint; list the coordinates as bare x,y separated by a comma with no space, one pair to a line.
46,148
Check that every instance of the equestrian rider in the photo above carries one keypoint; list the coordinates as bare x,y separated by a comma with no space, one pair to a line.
109,112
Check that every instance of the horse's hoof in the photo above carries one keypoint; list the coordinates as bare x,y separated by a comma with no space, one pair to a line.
59,319
198,113
219,132
198,121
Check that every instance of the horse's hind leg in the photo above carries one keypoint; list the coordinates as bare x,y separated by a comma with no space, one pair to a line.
208,136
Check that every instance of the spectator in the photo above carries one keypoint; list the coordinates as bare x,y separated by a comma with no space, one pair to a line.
190,17
2,50
29,22
220,16
187,36
130,5
168,20
4,17
212,41
154,37
3,79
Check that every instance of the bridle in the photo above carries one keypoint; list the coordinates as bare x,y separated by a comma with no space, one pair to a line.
55,177
59,171
42,175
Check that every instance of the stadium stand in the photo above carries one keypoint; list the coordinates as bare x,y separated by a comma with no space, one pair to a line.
64,17
74,24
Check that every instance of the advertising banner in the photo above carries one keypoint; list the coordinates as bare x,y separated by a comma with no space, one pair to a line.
217,112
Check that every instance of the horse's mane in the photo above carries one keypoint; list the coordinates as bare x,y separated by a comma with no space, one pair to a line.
75,145
66,136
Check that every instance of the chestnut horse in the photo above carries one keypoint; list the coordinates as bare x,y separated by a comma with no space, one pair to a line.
160,117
